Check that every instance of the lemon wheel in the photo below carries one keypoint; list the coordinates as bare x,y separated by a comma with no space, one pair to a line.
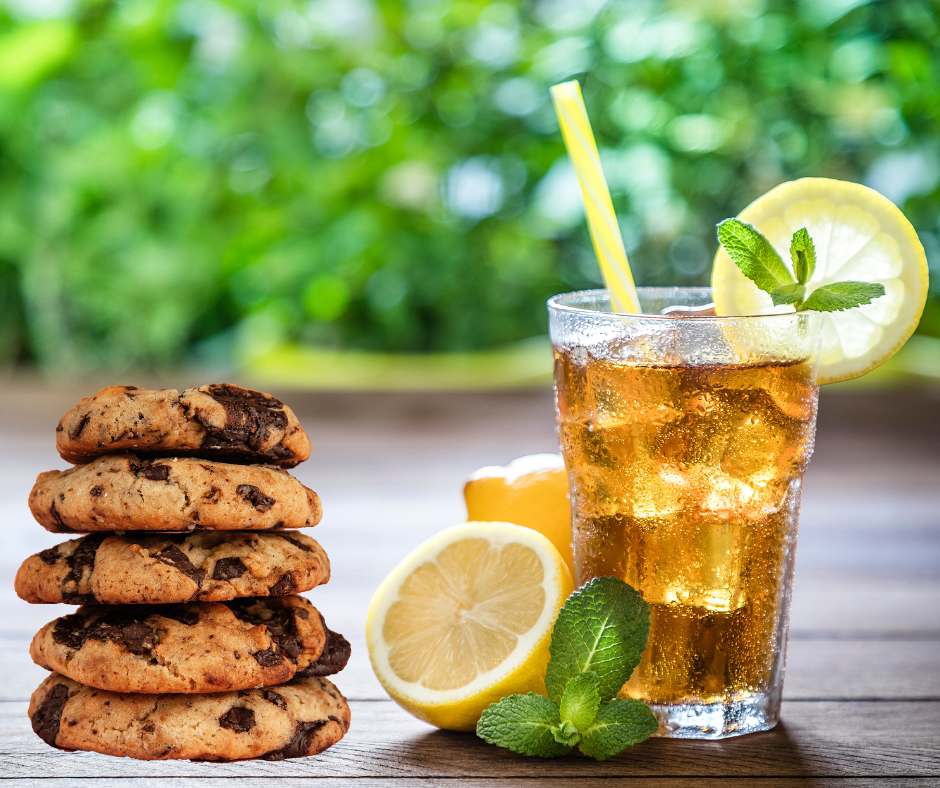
859,235
466,620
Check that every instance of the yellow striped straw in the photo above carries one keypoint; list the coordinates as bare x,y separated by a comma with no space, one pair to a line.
602,221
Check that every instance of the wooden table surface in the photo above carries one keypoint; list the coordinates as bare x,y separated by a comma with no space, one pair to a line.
862,694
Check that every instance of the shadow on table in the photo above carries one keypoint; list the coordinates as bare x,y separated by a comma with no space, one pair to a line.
775,753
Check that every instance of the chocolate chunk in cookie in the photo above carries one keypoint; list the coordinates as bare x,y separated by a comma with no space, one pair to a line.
238,719
48,716
333,658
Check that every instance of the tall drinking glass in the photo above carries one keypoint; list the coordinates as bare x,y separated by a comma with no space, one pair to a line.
685,441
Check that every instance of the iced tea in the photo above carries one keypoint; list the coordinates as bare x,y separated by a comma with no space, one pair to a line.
685,477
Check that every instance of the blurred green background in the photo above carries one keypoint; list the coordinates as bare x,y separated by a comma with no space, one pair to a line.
230,184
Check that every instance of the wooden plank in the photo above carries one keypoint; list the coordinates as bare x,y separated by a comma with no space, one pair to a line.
492,782
860,607
855,669
851,739
816,669
864,606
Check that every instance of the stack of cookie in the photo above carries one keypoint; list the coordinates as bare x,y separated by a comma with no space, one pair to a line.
190,641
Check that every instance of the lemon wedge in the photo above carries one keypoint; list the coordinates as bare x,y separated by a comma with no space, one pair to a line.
530,491
465,620
859,235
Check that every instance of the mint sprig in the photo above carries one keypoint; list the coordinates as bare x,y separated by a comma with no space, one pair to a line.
758,260
597,641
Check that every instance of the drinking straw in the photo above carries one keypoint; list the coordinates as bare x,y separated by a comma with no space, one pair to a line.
602,221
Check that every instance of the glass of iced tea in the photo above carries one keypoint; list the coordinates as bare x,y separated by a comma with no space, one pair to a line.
685,439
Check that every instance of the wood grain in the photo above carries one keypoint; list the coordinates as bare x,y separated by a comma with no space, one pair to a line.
816,670
825,739
492,782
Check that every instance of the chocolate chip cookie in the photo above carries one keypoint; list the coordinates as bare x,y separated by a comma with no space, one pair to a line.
297,719
198,647
203,566
218,422
130,493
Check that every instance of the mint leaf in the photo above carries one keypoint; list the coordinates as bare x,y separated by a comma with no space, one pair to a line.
566,733
580,701
754,255
803,255
789,294
602,627
523,724
619,724
843,295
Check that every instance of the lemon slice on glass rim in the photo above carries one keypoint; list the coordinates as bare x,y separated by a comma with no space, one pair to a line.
466,619
859,235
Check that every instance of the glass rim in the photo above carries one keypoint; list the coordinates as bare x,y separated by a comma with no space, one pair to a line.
555,302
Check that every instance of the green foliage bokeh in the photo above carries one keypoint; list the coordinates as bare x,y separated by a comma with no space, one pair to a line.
203,180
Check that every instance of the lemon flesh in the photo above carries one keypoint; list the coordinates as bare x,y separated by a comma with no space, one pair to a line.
530,491
859,235
465,620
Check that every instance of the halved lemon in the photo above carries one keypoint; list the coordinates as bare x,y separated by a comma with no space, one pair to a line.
466,620
530,491
859,235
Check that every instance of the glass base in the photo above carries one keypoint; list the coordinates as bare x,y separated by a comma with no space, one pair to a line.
717,720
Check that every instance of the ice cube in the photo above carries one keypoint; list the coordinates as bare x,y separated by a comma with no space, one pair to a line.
787,389
764,455
793,393
707,310
694,563
625,394
658,491
754,445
